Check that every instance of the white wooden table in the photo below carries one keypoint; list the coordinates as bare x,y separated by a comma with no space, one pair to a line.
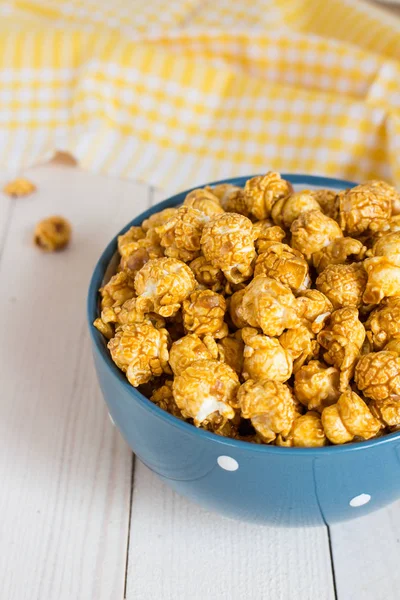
80,518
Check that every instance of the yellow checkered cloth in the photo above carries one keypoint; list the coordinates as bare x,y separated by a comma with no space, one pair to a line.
181,92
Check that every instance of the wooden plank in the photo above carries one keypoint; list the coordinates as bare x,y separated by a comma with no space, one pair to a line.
366,555
179,551
65,472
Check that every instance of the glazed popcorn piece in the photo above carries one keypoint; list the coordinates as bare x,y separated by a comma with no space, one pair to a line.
264,357
162,284
203,313
313,308
387,411
343,339
279,261
383,269
344,285
383,324
307,432
204,201
234,306
350,417
227,243
339,252
180,235
187,350
231,350
52,234
206,391
141,351
269,405
327,201
286,210
133,235
263,191
159,218
316,385
207,275
264,232
129,314
385,189
105,328
363,208
312,231
19,187
120,288
377,375
231,197
164,398
301,345
136,253
269,305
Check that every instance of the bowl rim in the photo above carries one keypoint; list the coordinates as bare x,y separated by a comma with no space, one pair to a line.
99,342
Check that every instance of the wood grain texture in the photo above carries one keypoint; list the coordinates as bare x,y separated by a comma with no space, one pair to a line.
178,551
366,555
65,472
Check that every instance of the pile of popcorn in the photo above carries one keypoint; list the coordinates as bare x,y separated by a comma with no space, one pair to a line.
264,314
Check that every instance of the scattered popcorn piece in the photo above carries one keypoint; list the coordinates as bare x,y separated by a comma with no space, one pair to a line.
203,313
279,261
344,285
227,243
343,339
19,187
162,284
286,210
363,208
377,375
270,305
316,385
141,351
52,234
269,405
312,231
350,417
263,191
265,357
339,252
206,391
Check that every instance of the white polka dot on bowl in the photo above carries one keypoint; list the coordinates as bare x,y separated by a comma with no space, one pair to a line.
228,463
360,500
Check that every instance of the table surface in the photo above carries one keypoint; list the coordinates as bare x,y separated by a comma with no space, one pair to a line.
81,519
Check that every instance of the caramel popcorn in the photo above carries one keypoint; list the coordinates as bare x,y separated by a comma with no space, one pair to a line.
344,285
162,285
313,308
204,201
316,385
343,339
232,198
203,313
264,357
377,375
228,244
164,398
231,350
307,432
269,405
207,275
19,187
206,391
300,344
279,261
141,351
263,191
269,305
350,417
286,210
383,324
312,231
52,234
339,252
363,208
222,290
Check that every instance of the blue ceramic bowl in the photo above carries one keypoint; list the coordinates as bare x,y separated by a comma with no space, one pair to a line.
262,484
